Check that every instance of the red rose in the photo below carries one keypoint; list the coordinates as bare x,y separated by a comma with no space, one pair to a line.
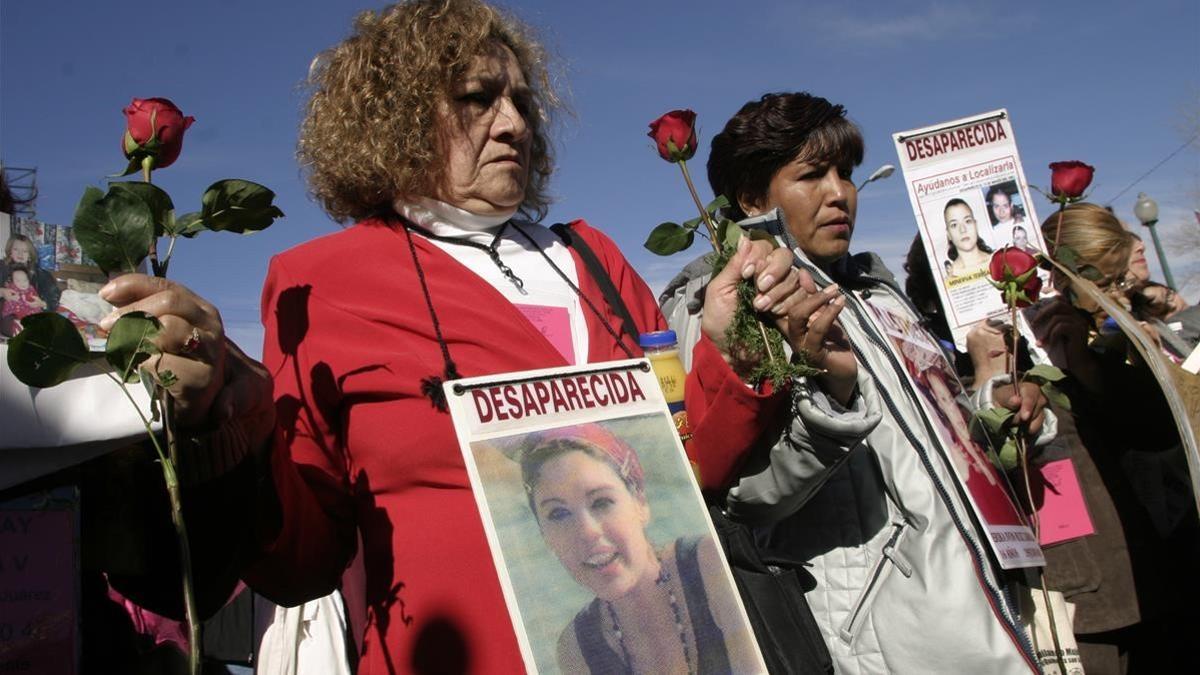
1014,271
154,126
1068,180
678,129
1011,262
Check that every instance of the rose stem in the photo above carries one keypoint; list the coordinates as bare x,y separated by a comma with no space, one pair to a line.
1058,228
712,228
181,535
1023,452
169,462
147,167
712,231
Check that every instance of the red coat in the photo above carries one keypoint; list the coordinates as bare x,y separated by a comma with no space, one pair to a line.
348,341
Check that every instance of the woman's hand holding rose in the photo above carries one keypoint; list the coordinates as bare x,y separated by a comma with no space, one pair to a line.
807,316
811,325
214,381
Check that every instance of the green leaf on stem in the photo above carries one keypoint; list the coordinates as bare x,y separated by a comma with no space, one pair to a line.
135,165
235,205
46,351
992,420
189,225
1067,256
1090,272
1056,396
729,234
1045,373
130,343
155,198
1009,455
692,223
717,204
114,229
669,238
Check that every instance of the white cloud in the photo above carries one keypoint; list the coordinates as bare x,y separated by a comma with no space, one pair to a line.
933,21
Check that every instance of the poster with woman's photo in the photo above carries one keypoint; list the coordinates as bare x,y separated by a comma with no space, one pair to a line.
945,404
970,198
44,270
598,531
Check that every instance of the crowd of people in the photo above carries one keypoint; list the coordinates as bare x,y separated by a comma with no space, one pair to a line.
332,465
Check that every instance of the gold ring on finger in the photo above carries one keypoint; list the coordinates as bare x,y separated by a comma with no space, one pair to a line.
192,343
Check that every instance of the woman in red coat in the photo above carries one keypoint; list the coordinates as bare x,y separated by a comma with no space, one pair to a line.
427,129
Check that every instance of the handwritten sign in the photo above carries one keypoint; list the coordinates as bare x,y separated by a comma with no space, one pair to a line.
39,611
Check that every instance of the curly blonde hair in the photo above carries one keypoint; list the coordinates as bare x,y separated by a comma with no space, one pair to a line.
1096,236
370,134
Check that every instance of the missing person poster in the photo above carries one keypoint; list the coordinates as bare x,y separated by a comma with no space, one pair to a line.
945,404
600,537
970,198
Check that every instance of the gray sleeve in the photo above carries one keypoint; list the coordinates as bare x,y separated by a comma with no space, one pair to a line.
682,304
820,435
819,438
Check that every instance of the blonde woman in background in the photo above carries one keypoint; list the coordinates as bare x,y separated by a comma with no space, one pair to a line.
1127,431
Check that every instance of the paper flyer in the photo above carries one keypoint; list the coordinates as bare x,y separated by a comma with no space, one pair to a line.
43,269
598,531
945,404
970,198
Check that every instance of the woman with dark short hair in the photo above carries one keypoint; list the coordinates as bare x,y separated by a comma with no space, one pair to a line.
844,469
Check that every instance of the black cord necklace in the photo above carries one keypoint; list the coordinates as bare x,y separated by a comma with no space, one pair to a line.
431,386
663,581
578,292
492,249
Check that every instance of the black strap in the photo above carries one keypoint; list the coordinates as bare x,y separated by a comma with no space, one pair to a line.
589,633
600,275
712,657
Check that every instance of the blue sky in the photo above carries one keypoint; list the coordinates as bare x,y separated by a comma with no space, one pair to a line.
1113,84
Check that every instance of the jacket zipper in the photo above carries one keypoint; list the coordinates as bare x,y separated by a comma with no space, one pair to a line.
887,554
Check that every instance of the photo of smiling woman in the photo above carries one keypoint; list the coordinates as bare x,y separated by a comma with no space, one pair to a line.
654,599
966,250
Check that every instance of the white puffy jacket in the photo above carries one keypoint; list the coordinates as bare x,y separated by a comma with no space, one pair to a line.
905,581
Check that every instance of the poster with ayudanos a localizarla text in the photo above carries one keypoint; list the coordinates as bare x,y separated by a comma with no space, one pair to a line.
600,537
970,198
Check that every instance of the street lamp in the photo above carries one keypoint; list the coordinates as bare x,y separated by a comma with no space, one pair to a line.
880,173
1146,210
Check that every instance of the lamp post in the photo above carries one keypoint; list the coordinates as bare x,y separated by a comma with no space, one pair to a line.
1146,210
880,173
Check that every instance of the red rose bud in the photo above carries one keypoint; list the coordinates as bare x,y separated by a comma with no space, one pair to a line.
1068,180
1014,272
1011,262
675,135
154,126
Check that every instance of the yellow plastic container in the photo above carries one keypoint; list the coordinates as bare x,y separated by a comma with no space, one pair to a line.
661,348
